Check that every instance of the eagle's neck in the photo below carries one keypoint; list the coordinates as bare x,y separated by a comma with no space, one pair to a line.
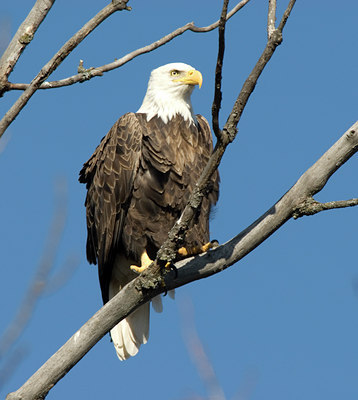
167,103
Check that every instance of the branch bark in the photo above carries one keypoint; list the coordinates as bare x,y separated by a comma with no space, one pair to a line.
149,285
271,18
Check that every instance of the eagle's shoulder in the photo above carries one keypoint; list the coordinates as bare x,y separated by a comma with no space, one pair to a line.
203,124
122,138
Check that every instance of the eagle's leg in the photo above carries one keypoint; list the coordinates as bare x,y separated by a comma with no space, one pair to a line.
145,261
188,252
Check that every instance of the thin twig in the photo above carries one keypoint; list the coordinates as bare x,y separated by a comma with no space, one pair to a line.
218,72
99,71
57,59
146,286
310,206
271,18
286,14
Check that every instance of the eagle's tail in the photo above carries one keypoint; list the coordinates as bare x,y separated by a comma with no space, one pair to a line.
131,332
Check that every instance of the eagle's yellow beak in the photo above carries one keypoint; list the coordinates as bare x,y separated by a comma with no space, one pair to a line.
192,77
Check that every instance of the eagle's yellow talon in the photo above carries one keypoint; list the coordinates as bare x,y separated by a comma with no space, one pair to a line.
186,252
137,269
145,261
207,247
183,252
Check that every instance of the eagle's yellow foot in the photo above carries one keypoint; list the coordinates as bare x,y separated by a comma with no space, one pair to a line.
184,252
145,261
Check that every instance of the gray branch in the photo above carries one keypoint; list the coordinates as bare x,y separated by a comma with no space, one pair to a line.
149,284
271,18
21,39
311,206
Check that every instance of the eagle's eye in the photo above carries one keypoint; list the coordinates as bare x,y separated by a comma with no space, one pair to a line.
174,72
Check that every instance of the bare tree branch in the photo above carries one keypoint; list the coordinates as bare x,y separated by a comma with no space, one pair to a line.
286,14
21,39
149,284
57,59
271,18
99,71
310,206
218,72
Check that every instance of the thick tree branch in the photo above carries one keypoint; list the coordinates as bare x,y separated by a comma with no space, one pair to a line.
57,59
149,285
99,71
218,72
311,206
21,39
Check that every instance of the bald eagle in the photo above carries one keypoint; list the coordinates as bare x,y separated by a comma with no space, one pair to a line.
139,180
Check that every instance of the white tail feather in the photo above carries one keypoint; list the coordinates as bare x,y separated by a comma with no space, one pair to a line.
131,333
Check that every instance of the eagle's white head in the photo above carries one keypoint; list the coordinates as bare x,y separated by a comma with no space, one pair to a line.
169,91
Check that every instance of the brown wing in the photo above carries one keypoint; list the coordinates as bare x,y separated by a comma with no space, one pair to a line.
109,175
173,157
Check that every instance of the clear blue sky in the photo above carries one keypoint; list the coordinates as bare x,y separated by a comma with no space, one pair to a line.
281,324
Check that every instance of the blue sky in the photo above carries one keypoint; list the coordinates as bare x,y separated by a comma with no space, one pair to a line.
282,323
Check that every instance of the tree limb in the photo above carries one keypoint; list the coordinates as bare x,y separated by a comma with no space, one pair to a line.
218,72
311,206
99,71
21,39
57,59
148,285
